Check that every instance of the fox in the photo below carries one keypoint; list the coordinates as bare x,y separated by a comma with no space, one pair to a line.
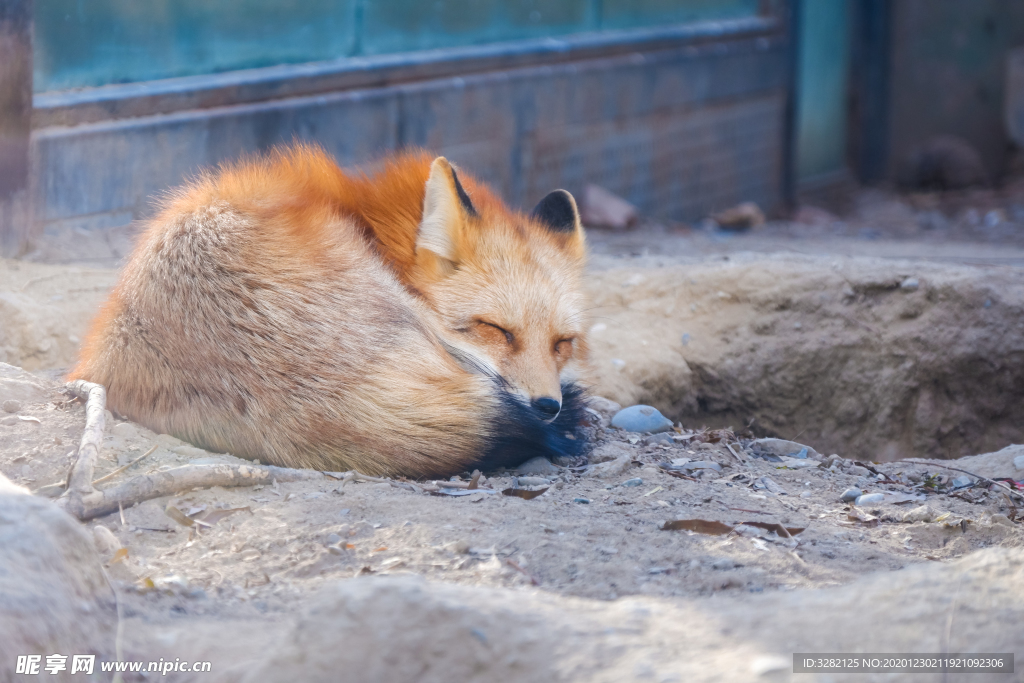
400,322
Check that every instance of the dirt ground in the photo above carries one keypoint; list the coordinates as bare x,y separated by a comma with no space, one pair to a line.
867,350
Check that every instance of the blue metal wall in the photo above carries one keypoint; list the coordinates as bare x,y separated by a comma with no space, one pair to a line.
824,65
81,43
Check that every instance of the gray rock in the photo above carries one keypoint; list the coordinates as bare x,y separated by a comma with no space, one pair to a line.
641,418
605,408
1018,462
18,385
858,471
105,541
9,420
961,482
919,514
724,563
910,284
612,468
851,494
782,447
333,539
769,484
870,499
702,465
537,466
54,597
11,405
636,481
609,451
663,438
584,501
534,481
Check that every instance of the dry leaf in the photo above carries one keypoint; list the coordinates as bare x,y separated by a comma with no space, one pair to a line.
675,473
120,556
856,515
900,498
701,526
523,493
214,516
782,531
460,492
178,516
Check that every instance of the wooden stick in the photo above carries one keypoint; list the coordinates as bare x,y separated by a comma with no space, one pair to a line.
80,481
1000,484
186,478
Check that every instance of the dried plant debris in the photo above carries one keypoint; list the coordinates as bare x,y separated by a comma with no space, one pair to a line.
525,494
704,526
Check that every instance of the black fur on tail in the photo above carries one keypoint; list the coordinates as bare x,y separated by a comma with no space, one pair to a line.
519,434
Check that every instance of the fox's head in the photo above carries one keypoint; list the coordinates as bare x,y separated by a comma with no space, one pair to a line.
507,285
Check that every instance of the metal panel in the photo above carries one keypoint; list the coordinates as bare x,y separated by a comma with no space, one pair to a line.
83,44
678,131
824,65
15,123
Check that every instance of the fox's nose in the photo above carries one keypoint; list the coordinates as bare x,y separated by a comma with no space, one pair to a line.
547,407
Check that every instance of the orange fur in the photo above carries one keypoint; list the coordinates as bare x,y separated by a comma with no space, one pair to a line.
285,310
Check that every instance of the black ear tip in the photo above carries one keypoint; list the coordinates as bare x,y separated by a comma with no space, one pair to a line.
464,199
557,211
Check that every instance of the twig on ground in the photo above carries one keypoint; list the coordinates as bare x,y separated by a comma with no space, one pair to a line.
1000,484
353,475
735,454
186,478
80,481
512,563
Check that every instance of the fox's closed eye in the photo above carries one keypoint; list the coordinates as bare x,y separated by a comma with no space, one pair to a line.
509,337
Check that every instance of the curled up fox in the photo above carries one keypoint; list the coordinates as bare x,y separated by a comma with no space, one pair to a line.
404,323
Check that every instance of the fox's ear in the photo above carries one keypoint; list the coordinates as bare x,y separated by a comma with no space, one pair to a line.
446,207
558,213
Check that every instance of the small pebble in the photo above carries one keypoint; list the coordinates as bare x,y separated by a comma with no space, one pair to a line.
910,284
919,514
585,501
870,499
533,481
333,538
636,481
724,563
641,418
858,471
662,438
12,406
609,451
961,482
851,494
703,465
9,420
806,494
538,466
